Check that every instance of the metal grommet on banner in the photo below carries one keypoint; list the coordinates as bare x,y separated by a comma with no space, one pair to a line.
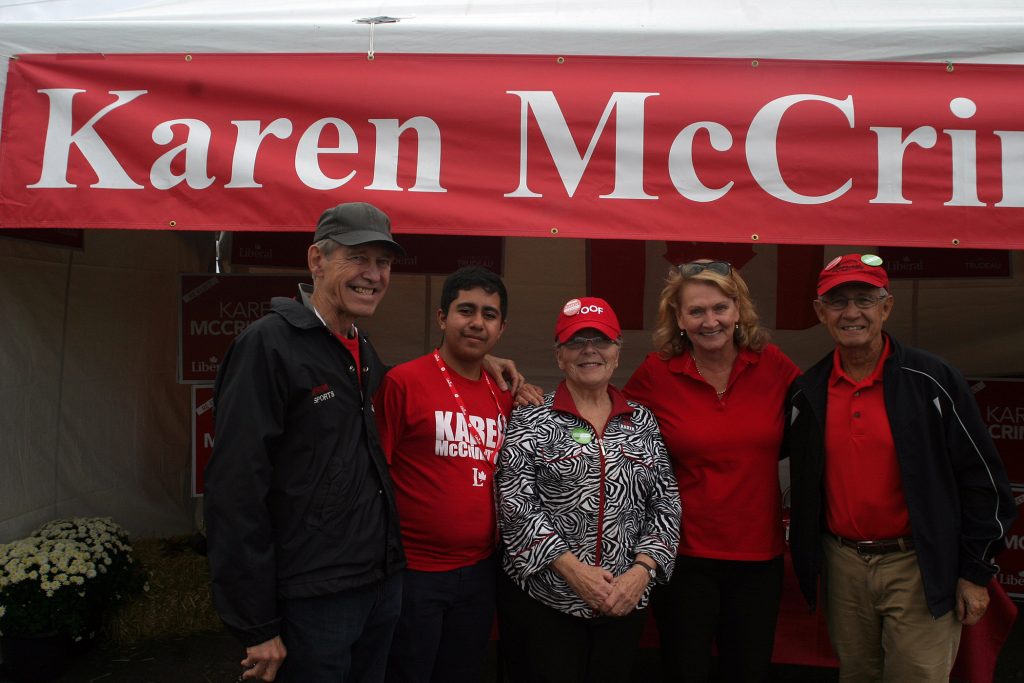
956,242
755,63
949,66
188,58
373,21
560,60
554,231
172,223
755,237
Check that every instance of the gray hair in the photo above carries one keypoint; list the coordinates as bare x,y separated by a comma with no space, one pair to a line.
326,246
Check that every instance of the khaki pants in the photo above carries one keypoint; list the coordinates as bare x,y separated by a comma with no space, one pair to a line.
878,619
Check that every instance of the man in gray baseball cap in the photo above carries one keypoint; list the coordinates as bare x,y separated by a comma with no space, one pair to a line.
304,545
355,223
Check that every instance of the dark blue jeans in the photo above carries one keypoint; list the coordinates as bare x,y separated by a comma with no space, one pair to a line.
445,625
342,637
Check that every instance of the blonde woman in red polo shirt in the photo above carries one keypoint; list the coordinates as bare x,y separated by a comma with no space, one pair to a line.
717,388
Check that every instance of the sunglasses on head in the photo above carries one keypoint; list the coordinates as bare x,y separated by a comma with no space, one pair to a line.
690,269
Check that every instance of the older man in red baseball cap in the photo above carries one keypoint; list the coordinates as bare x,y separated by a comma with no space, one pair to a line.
900,500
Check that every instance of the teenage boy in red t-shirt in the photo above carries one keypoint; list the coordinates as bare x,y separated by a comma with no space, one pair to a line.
441,420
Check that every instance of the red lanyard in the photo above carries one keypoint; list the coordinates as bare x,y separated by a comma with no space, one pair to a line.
491,455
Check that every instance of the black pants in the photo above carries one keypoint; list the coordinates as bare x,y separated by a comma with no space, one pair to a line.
445,625
342,636
542,645
733,604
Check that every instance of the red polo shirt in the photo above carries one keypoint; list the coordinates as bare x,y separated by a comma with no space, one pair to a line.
863,489
725,453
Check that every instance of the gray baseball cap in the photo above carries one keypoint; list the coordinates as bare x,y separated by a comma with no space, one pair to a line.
355,223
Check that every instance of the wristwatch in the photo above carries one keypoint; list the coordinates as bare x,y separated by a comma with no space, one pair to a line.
652,571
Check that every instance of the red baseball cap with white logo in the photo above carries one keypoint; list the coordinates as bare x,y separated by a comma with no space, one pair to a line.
586,312
849,268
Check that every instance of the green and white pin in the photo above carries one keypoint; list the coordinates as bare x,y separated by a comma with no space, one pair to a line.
871,260
582,435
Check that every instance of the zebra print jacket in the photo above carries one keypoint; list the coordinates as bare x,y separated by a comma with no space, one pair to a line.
604,496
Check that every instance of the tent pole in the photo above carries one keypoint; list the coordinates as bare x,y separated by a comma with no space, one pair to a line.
915,290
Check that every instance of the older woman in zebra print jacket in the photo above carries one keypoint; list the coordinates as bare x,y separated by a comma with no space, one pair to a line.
589,514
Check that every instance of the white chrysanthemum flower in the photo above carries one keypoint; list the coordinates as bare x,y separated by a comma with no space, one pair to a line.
65,553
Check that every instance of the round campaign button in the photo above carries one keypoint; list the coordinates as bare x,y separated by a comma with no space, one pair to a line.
582,435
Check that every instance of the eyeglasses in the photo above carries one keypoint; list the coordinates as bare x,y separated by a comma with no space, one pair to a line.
690,269
862,301
599,343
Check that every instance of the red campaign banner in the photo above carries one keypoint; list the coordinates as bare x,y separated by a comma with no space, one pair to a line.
1011,560
424,254
616,272
912,264
214,309
796,283
1002,408
202,434
723,150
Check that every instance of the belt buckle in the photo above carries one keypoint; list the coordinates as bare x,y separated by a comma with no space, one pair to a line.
867,548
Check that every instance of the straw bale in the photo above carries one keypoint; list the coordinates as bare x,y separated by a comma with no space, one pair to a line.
178,600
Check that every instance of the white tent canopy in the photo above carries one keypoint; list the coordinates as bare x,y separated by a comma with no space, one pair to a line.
984,32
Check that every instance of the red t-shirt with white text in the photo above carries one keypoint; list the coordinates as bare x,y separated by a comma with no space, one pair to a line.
442,477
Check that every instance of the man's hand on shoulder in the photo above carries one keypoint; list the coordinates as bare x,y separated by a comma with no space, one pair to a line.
262,661
971,602
504,373
529,395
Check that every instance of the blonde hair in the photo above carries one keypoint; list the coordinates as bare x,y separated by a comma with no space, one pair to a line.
667,337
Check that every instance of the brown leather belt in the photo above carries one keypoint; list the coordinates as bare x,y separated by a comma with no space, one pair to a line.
879,547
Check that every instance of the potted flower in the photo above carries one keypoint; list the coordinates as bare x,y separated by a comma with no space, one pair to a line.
54,586
117,578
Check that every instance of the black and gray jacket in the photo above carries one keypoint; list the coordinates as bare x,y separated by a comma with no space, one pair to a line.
298,500
957,492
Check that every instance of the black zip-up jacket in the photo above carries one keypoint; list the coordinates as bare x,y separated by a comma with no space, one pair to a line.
957,492
298,501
